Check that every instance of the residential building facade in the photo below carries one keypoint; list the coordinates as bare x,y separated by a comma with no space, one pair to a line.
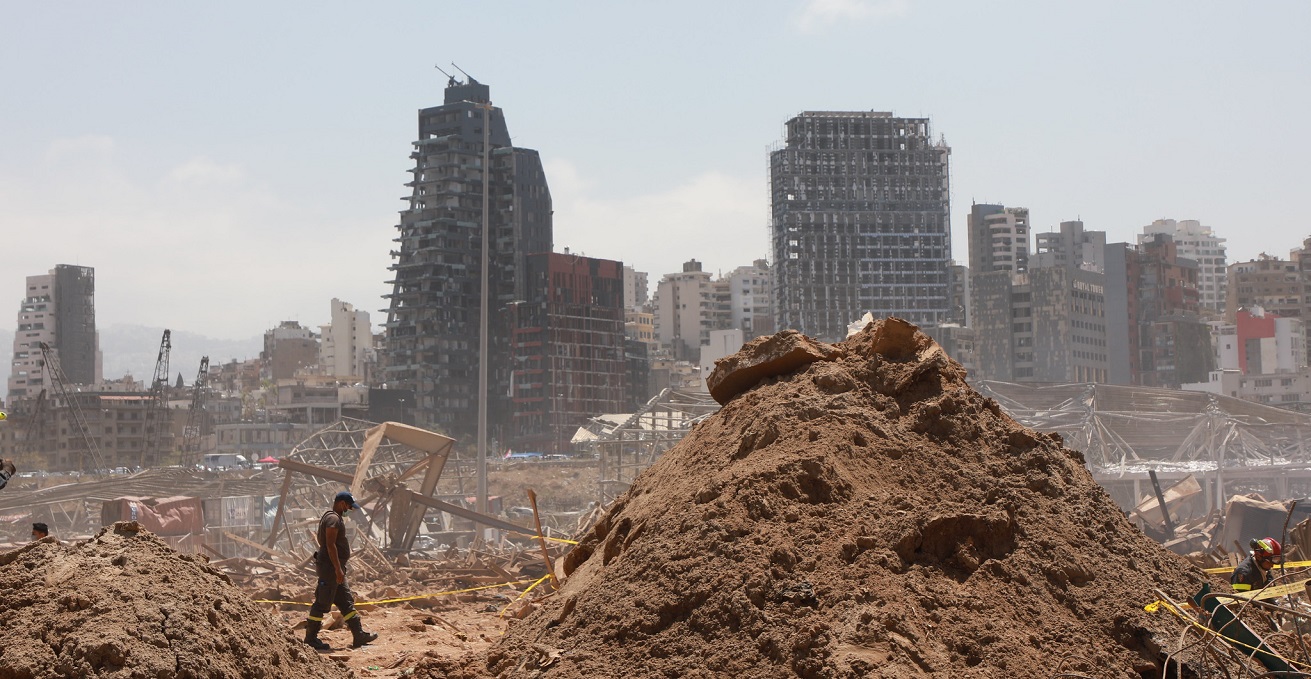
860,221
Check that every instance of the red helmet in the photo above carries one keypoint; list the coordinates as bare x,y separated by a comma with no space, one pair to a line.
1268,545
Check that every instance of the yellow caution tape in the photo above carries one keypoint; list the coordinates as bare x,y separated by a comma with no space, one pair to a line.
1272,592
1228,569
406,598
544,537
1156,605
523,594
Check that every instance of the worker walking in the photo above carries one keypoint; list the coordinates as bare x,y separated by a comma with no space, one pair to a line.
1254,571
330,565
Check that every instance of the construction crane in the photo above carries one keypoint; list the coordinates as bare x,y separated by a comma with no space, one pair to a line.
51,365
191,434
157,420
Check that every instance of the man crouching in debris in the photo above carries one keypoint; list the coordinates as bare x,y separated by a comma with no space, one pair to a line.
330,563
1254,571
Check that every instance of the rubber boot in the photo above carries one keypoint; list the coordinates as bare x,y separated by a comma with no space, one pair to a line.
359,637
312,636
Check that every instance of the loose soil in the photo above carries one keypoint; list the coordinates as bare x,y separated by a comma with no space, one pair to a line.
864,513
126,605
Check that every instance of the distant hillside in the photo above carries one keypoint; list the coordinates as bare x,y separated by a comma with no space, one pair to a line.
134,348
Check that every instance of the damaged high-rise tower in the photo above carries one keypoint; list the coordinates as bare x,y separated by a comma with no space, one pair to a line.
433,319
859,221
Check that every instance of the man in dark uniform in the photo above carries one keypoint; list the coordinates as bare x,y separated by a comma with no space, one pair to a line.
1254,571
39,530
330,564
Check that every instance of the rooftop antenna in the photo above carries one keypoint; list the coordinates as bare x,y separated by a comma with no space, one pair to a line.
451,79
472,80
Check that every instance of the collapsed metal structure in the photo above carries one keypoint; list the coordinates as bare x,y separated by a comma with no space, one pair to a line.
625,449
1231,445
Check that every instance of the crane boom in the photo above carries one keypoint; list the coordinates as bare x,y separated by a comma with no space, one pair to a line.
194,430
157,410
51,364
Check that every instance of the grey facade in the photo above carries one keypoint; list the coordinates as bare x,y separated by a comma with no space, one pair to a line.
1046,325
1116,263
998,238
860,221
1072,247
75,322
432,325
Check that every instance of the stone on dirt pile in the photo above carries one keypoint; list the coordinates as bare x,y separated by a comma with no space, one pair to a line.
125,604
868,514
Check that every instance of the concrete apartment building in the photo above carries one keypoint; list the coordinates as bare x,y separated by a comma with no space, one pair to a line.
859,221
1072,247
635,288
346,348
1276,285
1163,341
1045,325
998,238
288,348
567,348
751,299
58,308
434,314
1200,244
688,305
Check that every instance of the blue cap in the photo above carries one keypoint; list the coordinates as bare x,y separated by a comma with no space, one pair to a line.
345,496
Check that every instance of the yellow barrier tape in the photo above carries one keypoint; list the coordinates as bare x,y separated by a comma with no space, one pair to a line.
523,594
533,535
1232,642
1274,592
406,598
1227,569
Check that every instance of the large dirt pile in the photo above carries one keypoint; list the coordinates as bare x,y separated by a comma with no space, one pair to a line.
126,605
863,513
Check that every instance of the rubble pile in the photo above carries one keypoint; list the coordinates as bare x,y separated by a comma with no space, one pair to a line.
853,510
125,604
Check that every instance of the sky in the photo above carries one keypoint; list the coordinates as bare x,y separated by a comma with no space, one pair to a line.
227,166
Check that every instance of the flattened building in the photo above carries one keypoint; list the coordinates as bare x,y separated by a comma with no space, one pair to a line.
859,221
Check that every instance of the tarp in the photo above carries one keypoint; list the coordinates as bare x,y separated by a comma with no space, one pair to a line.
268,460
161,516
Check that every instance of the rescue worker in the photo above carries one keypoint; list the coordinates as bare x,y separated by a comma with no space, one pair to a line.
1254,571
7,470
39,530
330,565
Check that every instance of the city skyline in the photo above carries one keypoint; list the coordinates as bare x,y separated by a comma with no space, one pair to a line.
222,190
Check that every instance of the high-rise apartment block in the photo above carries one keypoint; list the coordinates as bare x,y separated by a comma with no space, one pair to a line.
1273,284
58,309
688,305
434,314
346,346
751,300
1072,247
635,288
998,238
1200,244
567,350
860,221
1158,338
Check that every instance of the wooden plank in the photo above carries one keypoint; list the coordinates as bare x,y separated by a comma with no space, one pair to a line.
281,556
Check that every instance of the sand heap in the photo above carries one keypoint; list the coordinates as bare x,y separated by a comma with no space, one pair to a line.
125,604
854,510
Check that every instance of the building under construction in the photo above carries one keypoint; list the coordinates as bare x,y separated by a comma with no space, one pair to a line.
433,320
860,221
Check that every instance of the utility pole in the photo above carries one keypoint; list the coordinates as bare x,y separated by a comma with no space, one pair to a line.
482,316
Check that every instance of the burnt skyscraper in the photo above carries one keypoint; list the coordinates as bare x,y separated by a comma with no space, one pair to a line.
433,319
859,221
58,308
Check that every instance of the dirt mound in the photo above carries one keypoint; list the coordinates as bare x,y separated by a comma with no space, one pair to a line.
868,514
125,604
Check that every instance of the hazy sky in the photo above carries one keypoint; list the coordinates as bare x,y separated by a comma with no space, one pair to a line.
225,166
